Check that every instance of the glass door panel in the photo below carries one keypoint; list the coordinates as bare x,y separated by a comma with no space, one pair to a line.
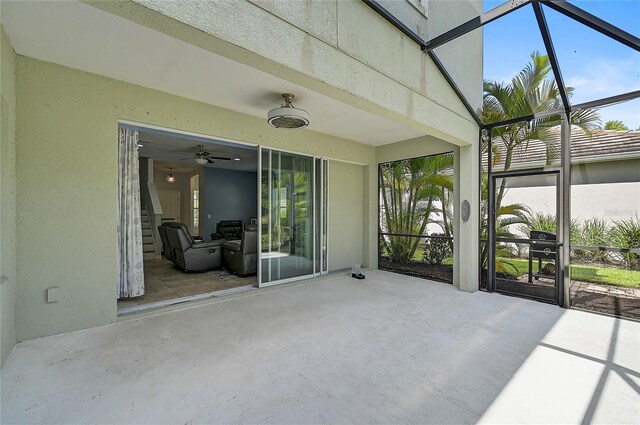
287,220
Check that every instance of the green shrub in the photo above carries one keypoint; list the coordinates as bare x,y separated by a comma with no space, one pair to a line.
626,234
539,221
436,250
592,232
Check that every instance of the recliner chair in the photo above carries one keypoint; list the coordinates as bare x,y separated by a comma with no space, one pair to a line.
189,254
230,230
167,252
241,257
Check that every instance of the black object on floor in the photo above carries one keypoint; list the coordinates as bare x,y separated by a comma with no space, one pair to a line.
359,276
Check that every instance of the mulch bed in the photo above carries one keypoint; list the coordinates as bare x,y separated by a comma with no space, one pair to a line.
441,273
606,299
584,296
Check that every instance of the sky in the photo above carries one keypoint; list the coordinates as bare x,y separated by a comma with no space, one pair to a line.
595,65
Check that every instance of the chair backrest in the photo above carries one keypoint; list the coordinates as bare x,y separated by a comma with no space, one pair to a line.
230,229
249,244
179,237
166,248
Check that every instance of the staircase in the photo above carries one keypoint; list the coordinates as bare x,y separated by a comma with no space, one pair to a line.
148,247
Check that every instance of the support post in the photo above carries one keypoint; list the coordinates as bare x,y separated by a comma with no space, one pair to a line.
468,231
491,221
565,212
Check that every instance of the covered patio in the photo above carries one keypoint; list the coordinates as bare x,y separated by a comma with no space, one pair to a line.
389,349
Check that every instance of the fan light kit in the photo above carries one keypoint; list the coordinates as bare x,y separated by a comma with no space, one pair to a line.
170,177
287,116
202,157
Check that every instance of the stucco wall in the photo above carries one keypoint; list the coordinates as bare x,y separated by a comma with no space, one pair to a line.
8,196
67,171
346,229
342,49
607,201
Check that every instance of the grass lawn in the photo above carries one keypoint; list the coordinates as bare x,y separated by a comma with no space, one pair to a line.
605,275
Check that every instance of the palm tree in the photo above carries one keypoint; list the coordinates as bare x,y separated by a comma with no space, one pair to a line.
408,191
615,125
526,94
529,92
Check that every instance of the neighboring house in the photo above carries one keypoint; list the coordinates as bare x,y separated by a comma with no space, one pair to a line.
605,176
73,71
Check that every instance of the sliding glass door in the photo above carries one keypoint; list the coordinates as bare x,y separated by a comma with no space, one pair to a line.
292,217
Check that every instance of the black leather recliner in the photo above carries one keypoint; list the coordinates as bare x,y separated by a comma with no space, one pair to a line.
229,230
166,249
241,257
190,254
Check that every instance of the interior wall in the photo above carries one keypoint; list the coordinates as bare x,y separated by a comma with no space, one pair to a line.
70,117
8,195
182,185
346,202
230,195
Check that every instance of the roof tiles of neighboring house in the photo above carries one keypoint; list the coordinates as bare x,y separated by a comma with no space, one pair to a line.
602,145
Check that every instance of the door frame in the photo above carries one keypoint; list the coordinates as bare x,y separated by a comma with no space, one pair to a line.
324,209
527,291
174,192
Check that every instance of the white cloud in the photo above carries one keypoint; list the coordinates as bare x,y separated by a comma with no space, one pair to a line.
604,78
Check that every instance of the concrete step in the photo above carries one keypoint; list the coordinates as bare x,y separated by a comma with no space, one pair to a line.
146,232
148,248
146,225
149,256
147,239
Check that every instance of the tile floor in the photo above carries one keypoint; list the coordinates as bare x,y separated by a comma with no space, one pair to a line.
163,281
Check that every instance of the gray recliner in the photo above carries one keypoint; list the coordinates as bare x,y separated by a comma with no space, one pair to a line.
167,252
190,254
241,256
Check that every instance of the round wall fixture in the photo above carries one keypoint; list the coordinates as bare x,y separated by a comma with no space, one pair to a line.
465,210
287,116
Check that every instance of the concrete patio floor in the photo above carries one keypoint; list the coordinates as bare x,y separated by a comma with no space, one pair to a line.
388,349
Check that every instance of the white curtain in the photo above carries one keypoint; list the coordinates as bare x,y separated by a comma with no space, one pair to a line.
130,264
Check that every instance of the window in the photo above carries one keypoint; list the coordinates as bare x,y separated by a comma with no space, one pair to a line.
195,204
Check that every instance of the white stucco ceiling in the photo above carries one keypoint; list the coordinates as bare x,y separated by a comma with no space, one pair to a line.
80,36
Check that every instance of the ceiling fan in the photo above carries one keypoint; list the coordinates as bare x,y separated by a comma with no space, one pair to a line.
203,157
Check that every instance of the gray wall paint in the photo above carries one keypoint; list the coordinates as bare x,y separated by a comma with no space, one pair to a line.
228,195
8,225
346,200
618,171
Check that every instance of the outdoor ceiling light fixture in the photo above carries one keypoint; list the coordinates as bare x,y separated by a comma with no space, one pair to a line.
170,177
287,116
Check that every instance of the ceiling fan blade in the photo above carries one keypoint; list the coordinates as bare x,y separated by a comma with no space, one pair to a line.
210,161
223,158
183,159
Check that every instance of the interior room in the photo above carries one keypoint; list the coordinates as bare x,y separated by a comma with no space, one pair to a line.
198,209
